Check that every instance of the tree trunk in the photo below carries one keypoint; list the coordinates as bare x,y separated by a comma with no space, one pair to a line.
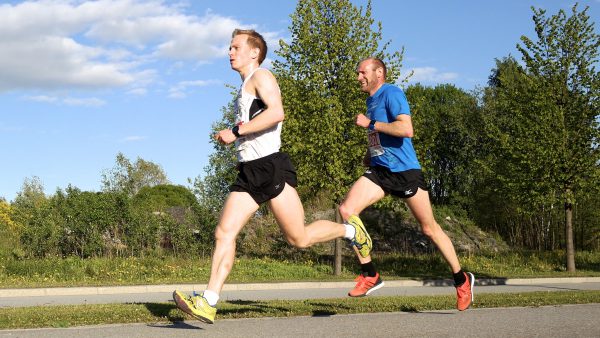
337,259
569,237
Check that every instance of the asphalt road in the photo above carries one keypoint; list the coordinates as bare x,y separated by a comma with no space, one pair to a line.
547,321
551,321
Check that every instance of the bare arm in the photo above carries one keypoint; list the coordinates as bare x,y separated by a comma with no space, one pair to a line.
264,84
267,89
402,127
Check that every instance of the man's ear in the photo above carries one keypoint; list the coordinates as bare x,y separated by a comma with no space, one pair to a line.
254,52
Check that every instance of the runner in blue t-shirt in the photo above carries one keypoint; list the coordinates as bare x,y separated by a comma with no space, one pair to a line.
393,169
390,151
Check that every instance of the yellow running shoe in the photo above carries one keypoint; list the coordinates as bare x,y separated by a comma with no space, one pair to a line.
196,306
362,240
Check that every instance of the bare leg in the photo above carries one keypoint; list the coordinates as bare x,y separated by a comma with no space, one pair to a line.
289,213
238,209
420,206
362,194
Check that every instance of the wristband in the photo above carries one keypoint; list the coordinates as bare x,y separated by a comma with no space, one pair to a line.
372,125
235,131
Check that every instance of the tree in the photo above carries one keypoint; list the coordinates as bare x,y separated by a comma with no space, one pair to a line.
164,196
543,116
563,57
130,177
29,198
220,173
518,122
317,76
447,126
9,231
32,211
5,216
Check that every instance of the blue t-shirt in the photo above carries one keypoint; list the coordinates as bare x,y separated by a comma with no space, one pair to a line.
395,153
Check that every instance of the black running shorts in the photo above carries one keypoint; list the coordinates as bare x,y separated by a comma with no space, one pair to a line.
403,184
265,178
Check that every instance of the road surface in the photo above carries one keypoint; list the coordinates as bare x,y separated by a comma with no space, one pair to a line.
547,321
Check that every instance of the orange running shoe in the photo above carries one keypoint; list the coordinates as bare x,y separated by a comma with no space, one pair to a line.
365,285
464,292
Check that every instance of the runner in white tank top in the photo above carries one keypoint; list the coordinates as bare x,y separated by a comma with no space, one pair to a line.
265,175
254,146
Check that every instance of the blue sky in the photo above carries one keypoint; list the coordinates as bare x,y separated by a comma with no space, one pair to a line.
81,81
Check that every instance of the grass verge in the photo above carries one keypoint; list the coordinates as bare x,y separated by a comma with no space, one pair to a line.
71,271
78,315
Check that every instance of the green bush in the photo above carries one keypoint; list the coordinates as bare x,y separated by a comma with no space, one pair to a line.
91,221
160,220
141,233
41,234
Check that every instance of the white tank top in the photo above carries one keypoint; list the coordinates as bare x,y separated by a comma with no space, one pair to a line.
254,146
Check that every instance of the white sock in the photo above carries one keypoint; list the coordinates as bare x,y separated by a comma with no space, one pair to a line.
211,297
350,231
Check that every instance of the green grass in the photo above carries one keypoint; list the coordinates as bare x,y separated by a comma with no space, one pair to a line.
76,315
514,264
134,271
67,272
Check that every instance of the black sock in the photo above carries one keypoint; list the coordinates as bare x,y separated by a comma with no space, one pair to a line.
368,269
459,278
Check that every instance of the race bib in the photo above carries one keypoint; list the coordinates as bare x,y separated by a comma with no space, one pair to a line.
375,148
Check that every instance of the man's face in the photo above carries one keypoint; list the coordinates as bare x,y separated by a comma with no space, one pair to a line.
367,76
240,52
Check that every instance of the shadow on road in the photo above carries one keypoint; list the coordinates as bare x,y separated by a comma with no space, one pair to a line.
479,281
167,311
172,314
176,325
252,306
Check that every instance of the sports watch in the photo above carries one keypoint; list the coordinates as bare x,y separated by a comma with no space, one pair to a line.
235,131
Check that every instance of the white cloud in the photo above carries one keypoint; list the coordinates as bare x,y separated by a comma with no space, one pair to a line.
200,39
138,92
179,91
56,62
430,75
69,101
173,94
42,98
88,102
68,44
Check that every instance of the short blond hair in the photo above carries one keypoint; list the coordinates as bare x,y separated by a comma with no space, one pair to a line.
255,40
